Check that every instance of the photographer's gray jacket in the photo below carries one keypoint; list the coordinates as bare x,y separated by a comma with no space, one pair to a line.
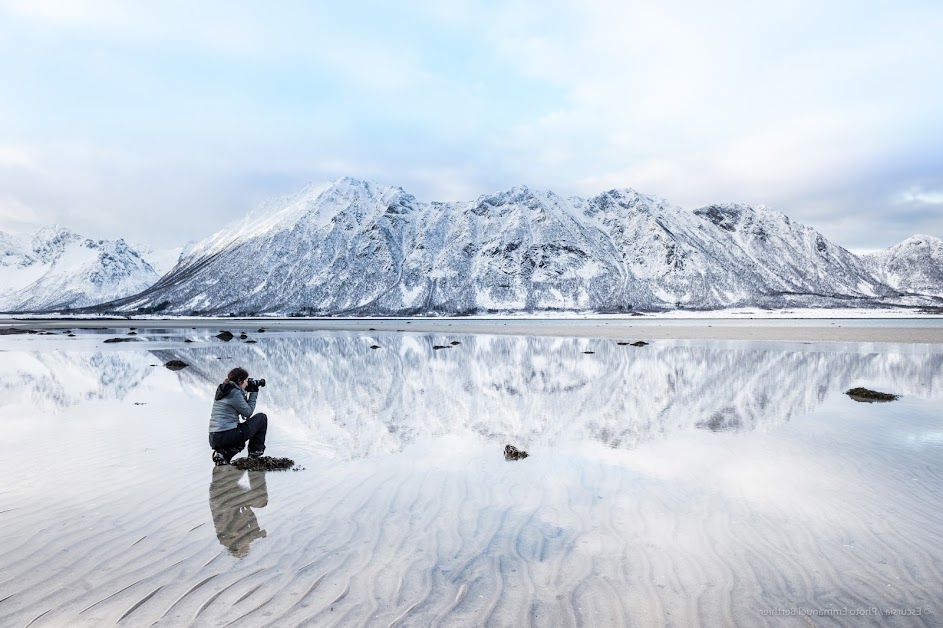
229,405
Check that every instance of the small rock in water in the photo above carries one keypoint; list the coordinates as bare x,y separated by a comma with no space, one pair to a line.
243,336
121,340
176,365
188,340
869,396
250,342
639,343
261,330
132,333
225,335
589,352
437,347
455,342
513,453
374,346
265,463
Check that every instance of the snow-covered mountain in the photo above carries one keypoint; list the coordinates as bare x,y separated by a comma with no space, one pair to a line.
914,266
358,248
56,269
160,259
355,247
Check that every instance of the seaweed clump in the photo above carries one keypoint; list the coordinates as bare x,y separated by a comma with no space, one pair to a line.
513,453
265,463
869,396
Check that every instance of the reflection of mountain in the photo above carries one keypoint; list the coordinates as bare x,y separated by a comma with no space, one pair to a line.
63,379
336,391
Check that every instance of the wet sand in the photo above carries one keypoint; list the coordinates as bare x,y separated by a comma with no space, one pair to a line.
798,501
926,330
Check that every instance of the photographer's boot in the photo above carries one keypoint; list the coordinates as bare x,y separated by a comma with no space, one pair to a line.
219,458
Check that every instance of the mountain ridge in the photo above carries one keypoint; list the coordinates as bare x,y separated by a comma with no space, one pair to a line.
359,248
355,247
56,268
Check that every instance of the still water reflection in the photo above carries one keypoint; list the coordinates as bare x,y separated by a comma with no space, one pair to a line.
232,506
337,394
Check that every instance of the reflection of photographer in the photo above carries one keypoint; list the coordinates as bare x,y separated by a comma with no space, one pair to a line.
228,435
231,506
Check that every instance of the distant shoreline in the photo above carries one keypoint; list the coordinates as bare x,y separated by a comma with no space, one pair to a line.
925,329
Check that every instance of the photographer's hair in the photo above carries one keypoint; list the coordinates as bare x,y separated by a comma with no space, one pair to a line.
238,375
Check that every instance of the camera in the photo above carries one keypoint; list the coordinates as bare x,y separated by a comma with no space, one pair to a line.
254,385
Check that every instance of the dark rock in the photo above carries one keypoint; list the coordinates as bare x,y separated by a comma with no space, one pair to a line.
589,352
372,329
122,340
176,365
437,347
140,403
261,330
250,342
265,463
638,343
188,340
374,346
132,333
455,342
866,395
243,336
225,335
513,453
71,335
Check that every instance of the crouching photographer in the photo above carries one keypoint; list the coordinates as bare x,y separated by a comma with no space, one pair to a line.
235,399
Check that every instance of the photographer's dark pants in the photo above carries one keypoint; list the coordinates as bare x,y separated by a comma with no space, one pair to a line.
231,442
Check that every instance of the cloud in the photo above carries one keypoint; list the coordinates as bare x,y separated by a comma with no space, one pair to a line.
14,157
16,216
195,111
920,196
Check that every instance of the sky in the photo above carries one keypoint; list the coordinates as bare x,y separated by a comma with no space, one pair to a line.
164,121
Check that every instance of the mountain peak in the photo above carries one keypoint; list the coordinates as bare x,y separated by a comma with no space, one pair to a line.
921,239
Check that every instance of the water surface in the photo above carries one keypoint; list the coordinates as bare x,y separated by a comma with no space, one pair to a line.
685,482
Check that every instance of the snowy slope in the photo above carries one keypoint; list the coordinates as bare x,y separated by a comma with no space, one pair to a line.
57,269
914,266
355,247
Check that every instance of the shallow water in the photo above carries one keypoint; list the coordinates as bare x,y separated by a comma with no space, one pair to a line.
682,483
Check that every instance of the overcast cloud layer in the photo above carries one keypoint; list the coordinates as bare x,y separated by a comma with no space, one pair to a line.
162,121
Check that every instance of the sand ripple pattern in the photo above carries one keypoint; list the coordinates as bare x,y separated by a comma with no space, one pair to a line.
480,542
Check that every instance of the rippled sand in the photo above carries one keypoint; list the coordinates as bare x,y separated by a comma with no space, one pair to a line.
407,513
